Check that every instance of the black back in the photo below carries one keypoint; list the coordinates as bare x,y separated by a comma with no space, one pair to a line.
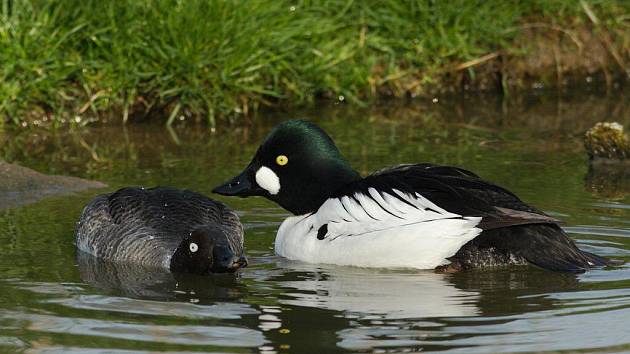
454,189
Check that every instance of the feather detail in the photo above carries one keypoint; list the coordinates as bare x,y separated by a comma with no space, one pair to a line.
377,229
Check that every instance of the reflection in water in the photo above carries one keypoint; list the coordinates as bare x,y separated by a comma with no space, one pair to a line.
414,310
374,293
222,310
499,310
155,307
507,292
611,181
174,334
423,310
339,308
578,325
135,281
364,293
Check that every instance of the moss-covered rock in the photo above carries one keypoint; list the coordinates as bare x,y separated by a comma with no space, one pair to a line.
607,141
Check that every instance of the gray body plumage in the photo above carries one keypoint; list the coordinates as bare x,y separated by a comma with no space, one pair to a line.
145,226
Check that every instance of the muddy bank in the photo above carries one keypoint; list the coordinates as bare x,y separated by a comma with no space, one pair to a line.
545,55
20,185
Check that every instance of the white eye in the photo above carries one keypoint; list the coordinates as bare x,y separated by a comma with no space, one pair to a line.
193,247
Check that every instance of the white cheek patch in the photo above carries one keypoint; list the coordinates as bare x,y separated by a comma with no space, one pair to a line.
268,180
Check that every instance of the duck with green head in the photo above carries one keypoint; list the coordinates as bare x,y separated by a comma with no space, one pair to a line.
421,216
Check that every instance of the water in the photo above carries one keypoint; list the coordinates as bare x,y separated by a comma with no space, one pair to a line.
55,302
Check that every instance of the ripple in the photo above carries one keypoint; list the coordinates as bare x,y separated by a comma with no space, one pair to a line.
593,246
74,350
380,337
618,273
597,230
552,333
11,342
148,307
49,288
612,205
173,334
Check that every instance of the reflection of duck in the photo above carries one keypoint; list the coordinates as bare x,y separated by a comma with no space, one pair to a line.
364,309
140,282
371,293
378,293
509,292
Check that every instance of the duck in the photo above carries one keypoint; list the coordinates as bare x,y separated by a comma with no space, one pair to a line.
422,215
165,228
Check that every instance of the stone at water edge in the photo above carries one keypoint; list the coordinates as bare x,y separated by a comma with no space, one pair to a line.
21,185
607,142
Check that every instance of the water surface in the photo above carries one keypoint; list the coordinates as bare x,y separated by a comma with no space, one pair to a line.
52,300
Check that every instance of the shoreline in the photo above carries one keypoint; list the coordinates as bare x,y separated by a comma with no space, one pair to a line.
364,56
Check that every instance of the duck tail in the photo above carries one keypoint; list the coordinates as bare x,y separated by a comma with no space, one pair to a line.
599,261
544,245
551,248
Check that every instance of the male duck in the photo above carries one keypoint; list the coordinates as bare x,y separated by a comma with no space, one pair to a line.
174,229
415,216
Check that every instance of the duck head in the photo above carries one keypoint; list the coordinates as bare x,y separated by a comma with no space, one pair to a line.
207,250
297,166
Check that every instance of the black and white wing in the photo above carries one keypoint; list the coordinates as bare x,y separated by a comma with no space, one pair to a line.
384,220
424,193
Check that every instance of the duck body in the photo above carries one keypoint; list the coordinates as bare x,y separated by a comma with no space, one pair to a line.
421,216
173,229
393,210
362,225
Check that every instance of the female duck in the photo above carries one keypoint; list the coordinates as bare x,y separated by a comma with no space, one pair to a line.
178,230
419,216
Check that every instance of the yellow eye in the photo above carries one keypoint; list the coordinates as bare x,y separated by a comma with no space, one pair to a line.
282,160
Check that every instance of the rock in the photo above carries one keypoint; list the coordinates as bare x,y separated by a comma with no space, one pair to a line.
20,185
608,149
606,142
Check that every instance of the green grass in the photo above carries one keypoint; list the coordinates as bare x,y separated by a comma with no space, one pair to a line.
164,59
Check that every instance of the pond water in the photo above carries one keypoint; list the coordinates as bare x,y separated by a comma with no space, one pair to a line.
53,301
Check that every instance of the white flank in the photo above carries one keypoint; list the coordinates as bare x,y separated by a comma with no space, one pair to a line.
268,180
379,230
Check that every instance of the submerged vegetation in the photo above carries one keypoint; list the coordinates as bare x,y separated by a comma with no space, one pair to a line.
78,60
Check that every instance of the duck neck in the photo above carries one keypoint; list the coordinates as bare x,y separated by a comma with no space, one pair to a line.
324,183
